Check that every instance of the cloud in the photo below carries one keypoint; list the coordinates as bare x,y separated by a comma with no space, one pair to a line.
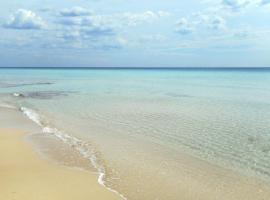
235,4
265,2
184,27
134,19
88,26
87,33
162,13
75,21
83,26
25,19
91,38
242,34
200,23
107,25
117,19
217,23
75,12
238,5
98,30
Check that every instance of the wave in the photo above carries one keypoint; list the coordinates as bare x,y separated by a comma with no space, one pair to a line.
31,115
82,147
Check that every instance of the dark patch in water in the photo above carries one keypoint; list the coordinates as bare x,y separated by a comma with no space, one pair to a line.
10,85
175,95
266,150
42,95
260,144
251,139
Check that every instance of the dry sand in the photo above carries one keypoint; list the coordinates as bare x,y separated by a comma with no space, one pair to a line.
25,176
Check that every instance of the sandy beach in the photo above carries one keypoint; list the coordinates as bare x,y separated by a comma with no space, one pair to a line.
24,175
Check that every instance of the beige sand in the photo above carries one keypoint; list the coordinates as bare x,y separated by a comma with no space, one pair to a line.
25,176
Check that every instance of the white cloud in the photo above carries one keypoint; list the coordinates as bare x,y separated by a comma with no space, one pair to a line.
25,19
200,23
89,32
115,21
134,19
75,12
92,38
102,27
87,26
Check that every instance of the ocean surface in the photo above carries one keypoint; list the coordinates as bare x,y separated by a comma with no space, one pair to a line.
133,124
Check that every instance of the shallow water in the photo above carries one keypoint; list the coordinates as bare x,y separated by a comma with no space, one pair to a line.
135,124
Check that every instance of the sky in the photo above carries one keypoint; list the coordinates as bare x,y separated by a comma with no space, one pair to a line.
135,33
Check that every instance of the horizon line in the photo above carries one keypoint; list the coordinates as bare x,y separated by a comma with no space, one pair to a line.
143,68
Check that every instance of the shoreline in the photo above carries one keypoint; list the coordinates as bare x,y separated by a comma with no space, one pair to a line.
24,175
198,179
53,145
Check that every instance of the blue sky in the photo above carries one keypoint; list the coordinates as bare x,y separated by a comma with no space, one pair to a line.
135,33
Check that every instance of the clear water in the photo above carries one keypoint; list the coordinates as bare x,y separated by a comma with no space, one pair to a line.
138,122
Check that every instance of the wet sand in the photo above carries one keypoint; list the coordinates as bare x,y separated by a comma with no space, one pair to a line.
24,175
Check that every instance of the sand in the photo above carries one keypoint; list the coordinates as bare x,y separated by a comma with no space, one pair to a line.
24,175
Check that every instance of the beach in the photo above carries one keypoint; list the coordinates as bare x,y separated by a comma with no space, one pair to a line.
135,100
27,173
24,175
136,135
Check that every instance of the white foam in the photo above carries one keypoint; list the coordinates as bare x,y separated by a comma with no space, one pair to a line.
16,94
31,115
83,147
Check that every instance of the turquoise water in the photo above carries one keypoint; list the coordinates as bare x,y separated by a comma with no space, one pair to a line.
137,122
